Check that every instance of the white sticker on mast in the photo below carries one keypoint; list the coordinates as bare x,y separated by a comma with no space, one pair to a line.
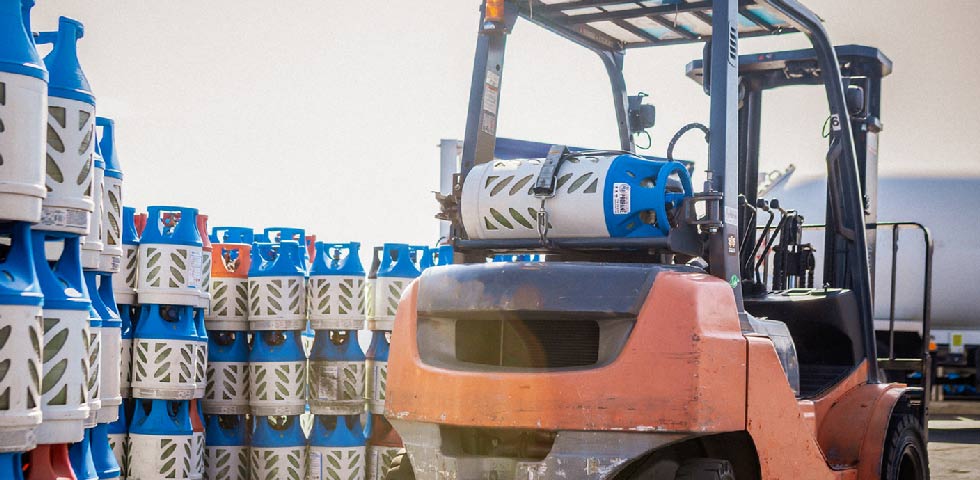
491,95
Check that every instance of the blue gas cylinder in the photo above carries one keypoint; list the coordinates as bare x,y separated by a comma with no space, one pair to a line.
337,447
125,280
232,235
82,462
127,315
96,309
277,376
596,196
200,354
164,352
226,447
377,371
277,287
336,287
227,373
396,271
64,384
170,257
111,350
11,466
436,257
112,251
103,458
278,448
336,373
68,205
118,437
21,337
92,242
160,439
22,115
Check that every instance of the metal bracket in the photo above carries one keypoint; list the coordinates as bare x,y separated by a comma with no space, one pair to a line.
546,181
712,218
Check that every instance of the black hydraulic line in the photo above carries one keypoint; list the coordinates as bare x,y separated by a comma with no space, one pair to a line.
765,233
772,239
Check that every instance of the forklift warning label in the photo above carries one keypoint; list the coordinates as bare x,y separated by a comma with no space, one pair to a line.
621,198
491,94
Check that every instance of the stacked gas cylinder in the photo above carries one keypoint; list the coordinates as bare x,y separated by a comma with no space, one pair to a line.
162,296
60,245
279,408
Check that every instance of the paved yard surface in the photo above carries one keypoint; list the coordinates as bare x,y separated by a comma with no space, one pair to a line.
954,447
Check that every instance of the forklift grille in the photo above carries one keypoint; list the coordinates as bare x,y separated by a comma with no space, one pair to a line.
525,343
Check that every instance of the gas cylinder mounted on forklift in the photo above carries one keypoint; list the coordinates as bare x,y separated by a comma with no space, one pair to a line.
646,344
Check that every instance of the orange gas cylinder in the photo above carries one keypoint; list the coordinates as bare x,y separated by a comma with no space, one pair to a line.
49,462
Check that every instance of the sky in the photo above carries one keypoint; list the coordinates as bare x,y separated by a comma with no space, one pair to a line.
326,114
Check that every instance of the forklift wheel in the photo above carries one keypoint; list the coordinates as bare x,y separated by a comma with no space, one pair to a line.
905,456
705,469
400,468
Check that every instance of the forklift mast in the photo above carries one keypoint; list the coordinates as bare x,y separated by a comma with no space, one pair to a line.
862,69
721,24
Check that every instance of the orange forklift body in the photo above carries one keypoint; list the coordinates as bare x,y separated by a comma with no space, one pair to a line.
685,371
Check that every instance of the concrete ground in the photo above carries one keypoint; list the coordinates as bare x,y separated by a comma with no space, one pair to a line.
954,446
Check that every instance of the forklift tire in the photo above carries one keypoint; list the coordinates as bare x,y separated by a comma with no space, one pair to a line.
400,468
705,469
905,456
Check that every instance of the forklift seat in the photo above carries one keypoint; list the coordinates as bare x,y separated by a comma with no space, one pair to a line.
825,329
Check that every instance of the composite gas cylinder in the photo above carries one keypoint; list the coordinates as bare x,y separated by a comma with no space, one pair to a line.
94,347
164,350
65,370
23,112
396,271
80,455
11,466
226,448
103,457
20,339
277,376
118,436
49,462
202,228
229,287
170,257
336,287
227,373
237,235
278,448
595,196
435,257
336,373
197,441
377,370
92,242
161,440
337,448
383,444
127,316
200,353
111,350
370,286
112,250
125,279
277,287
277,235
68,205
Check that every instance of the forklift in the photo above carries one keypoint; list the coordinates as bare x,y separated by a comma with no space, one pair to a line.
647,343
